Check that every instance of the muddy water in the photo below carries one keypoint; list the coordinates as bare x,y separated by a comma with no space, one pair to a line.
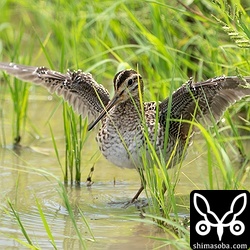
31,175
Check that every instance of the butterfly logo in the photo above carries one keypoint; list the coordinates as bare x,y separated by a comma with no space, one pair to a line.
210,219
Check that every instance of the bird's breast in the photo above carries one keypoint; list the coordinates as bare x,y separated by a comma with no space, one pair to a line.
121,144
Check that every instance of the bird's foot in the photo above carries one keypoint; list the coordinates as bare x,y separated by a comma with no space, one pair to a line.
137,203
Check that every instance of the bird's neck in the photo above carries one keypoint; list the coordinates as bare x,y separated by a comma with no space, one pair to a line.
131,107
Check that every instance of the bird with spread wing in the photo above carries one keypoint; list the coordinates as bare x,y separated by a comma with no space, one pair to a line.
124,133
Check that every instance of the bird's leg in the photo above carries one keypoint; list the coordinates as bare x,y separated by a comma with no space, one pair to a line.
143,184
138,193
133,201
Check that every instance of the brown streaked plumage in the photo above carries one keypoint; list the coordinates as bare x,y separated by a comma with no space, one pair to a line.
79,89
121,137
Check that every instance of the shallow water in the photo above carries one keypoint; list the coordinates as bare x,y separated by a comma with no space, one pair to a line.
24,185
32,174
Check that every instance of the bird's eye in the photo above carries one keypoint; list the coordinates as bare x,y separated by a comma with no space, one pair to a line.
130,82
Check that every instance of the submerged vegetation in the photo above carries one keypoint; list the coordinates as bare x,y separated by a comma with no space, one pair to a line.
167,43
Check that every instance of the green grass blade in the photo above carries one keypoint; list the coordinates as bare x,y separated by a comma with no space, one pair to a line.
18,219
55,148
46,225
65,198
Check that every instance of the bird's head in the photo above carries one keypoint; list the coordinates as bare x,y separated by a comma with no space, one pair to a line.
126,85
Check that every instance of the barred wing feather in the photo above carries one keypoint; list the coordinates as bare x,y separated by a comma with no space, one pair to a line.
79,89
203,101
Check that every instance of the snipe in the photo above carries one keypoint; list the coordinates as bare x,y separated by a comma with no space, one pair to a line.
121,137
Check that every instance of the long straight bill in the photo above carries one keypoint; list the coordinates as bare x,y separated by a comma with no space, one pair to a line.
104,112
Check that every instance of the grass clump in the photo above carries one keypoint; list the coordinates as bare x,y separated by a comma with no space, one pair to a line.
75,130
19,94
